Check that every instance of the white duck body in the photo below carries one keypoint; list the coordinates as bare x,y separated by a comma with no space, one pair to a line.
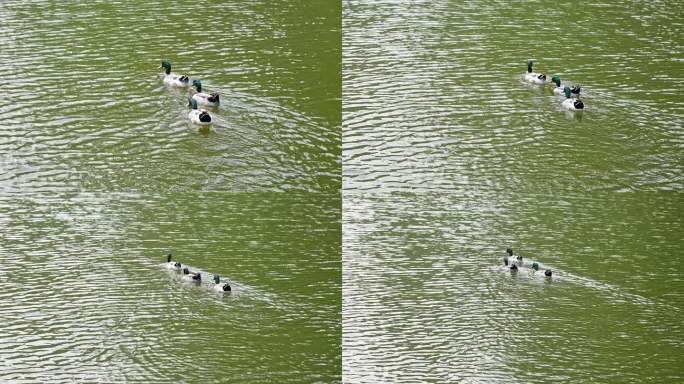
571,104
199,116
560,90
194,277
176,81
173,265
220,287
173,79
202,98
533,77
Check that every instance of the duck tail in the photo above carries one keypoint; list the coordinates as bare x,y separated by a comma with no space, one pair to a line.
214,98
205,117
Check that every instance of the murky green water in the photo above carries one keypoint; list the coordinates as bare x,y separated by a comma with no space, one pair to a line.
449,157
101,172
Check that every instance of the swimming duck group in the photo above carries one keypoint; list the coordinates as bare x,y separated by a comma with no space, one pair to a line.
572,101
517,262
195,277
197,97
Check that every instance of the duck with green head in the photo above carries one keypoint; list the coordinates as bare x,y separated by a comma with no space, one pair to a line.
220,287
198,116
172,78
571,104
172,265
208,99
191,277
558,90
532,77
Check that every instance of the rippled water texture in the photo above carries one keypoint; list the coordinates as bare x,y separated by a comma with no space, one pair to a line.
449,157
101,172
84,107
86,296
427,298
433,97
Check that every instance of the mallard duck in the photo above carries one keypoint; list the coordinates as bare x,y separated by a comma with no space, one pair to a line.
220,287
198,116
211,100
558,90
173,265
172,78
571,104
194,277
536,78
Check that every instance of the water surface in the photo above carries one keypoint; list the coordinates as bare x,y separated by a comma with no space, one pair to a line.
449,157
101,173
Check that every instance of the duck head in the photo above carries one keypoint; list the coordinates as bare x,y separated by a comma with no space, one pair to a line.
567,92
197,84
505,260
166,64
509,250
217,279
556,79
168,257
529,66
535,266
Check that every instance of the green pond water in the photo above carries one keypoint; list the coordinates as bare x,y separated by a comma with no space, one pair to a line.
449,157
101,173
395,140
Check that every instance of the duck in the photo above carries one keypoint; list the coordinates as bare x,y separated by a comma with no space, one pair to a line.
172,265
532,77
571,104
198,116
194,277
512,260
211,100
172,78
558,90
220,287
